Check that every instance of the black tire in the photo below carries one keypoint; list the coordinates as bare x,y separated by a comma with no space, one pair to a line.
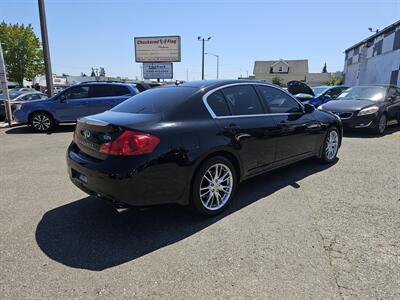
201,184
41,122
381,125
329,155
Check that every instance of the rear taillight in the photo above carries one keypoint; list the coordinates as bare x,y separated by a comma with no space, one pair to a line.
131,143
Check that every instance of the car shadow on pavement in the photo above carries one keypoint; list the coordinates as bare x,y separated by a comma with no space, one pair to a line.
90,234
22,129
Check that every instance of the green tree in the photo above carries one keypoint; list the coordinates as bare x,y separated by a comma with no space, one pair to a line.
324,69
335,80
22,52
277,80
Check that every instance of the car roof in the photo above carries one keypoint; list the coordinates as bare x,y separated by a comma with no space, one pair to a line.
209,84
106,82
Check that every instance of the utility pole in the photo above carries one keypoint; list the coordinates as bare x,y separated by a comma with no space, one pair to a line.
46,49
202,54
217,56
4,87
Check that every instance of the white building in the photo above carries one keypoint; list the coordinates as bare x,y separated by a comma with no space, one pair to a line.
375,60
288,70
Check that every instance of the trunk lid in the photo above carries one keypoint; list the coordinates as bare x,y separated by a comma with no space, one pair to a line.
93,131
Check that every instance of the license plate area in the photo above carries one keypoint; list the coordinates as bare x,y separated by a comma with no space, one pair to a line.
81,177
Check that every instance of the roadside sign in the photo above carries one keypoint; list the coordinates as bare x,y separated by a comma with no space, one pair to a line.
157,71
158,49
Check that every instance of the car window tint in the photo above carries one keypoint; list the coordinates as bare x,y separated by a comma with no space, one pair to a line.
218,104
278,101
100,91
156,100
78,92
120,90
243,100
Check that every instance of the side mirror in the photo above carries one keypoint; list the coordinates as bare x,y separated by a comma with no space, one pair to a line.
308,108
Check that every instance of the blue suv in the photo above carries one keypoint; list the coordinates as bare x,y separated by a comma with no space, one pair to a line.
77,101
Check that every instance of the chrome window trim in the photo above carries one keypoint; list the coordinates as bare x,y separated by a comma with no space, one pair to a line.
214,116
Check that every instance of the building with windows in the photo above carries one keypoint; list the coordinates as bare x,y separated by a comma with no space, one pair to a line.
375,60
288,70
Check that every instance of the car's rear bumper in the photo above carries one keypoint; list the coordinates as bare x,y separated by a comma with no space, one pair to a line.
20,117
134,183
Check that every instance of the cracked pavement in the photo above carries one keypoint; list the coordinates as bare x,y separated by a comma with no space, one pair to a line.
305,231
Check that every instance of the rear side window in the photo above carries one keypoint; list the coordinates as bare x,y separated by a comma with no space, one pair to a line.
156,100
120,90
278,101
243,100
218,104
99,91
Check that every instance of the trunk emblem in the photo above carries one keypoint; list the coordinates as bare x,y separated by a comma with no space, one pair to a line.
86,133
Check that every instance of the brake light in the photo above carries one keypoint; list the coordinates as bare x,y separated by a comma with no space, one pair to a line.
131,143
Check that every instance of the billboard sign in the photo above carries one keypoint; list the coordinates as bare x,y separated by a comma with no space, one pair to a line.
158,49
157,71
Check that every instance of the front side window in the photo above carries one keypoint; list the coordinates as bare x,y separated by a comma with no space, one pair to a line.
243,100
218,104
278,101
78,92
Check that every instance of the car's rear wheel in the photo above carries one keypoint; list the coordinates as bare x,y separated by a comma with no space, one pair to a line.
214,186
330,146
42,122
381,125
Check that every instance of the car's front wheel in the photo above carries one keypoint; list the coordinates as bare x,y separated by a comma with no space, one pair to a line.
42,122
214,186
381,125
331,146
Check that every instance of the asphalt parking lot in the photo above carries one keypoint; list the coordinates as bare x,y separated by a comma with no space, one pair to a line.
306,231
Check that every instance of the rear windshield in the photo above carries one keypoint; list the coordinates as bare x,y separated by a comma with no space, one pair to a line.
156,100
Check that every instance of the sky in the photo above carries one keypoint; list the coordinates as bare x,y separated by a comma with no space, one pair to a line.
89,33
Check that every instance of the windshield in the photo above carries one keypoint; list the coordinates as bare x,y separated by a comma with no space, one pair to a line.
373,93
319,90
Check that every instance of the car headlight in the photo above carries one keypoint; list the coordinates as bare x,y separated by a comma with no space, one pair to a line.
368,111
321,107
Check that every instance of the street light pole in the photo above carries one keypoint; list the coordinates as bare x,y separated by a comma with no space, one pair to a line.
46,50
217,56
202,54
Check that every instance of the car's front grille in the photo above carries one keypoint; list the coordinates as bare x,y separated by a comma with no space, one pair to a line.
344,115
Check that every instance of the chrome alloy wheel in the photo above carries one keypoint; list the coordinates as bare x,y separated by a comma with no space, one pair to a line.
216,186
332,145
41,122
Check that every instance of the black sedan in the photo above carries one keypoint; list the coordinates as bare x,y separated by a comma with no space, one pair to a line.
367,107
192,144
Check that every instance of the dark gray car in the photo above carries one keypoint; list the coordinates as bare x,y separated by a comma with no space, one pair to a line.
367,107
